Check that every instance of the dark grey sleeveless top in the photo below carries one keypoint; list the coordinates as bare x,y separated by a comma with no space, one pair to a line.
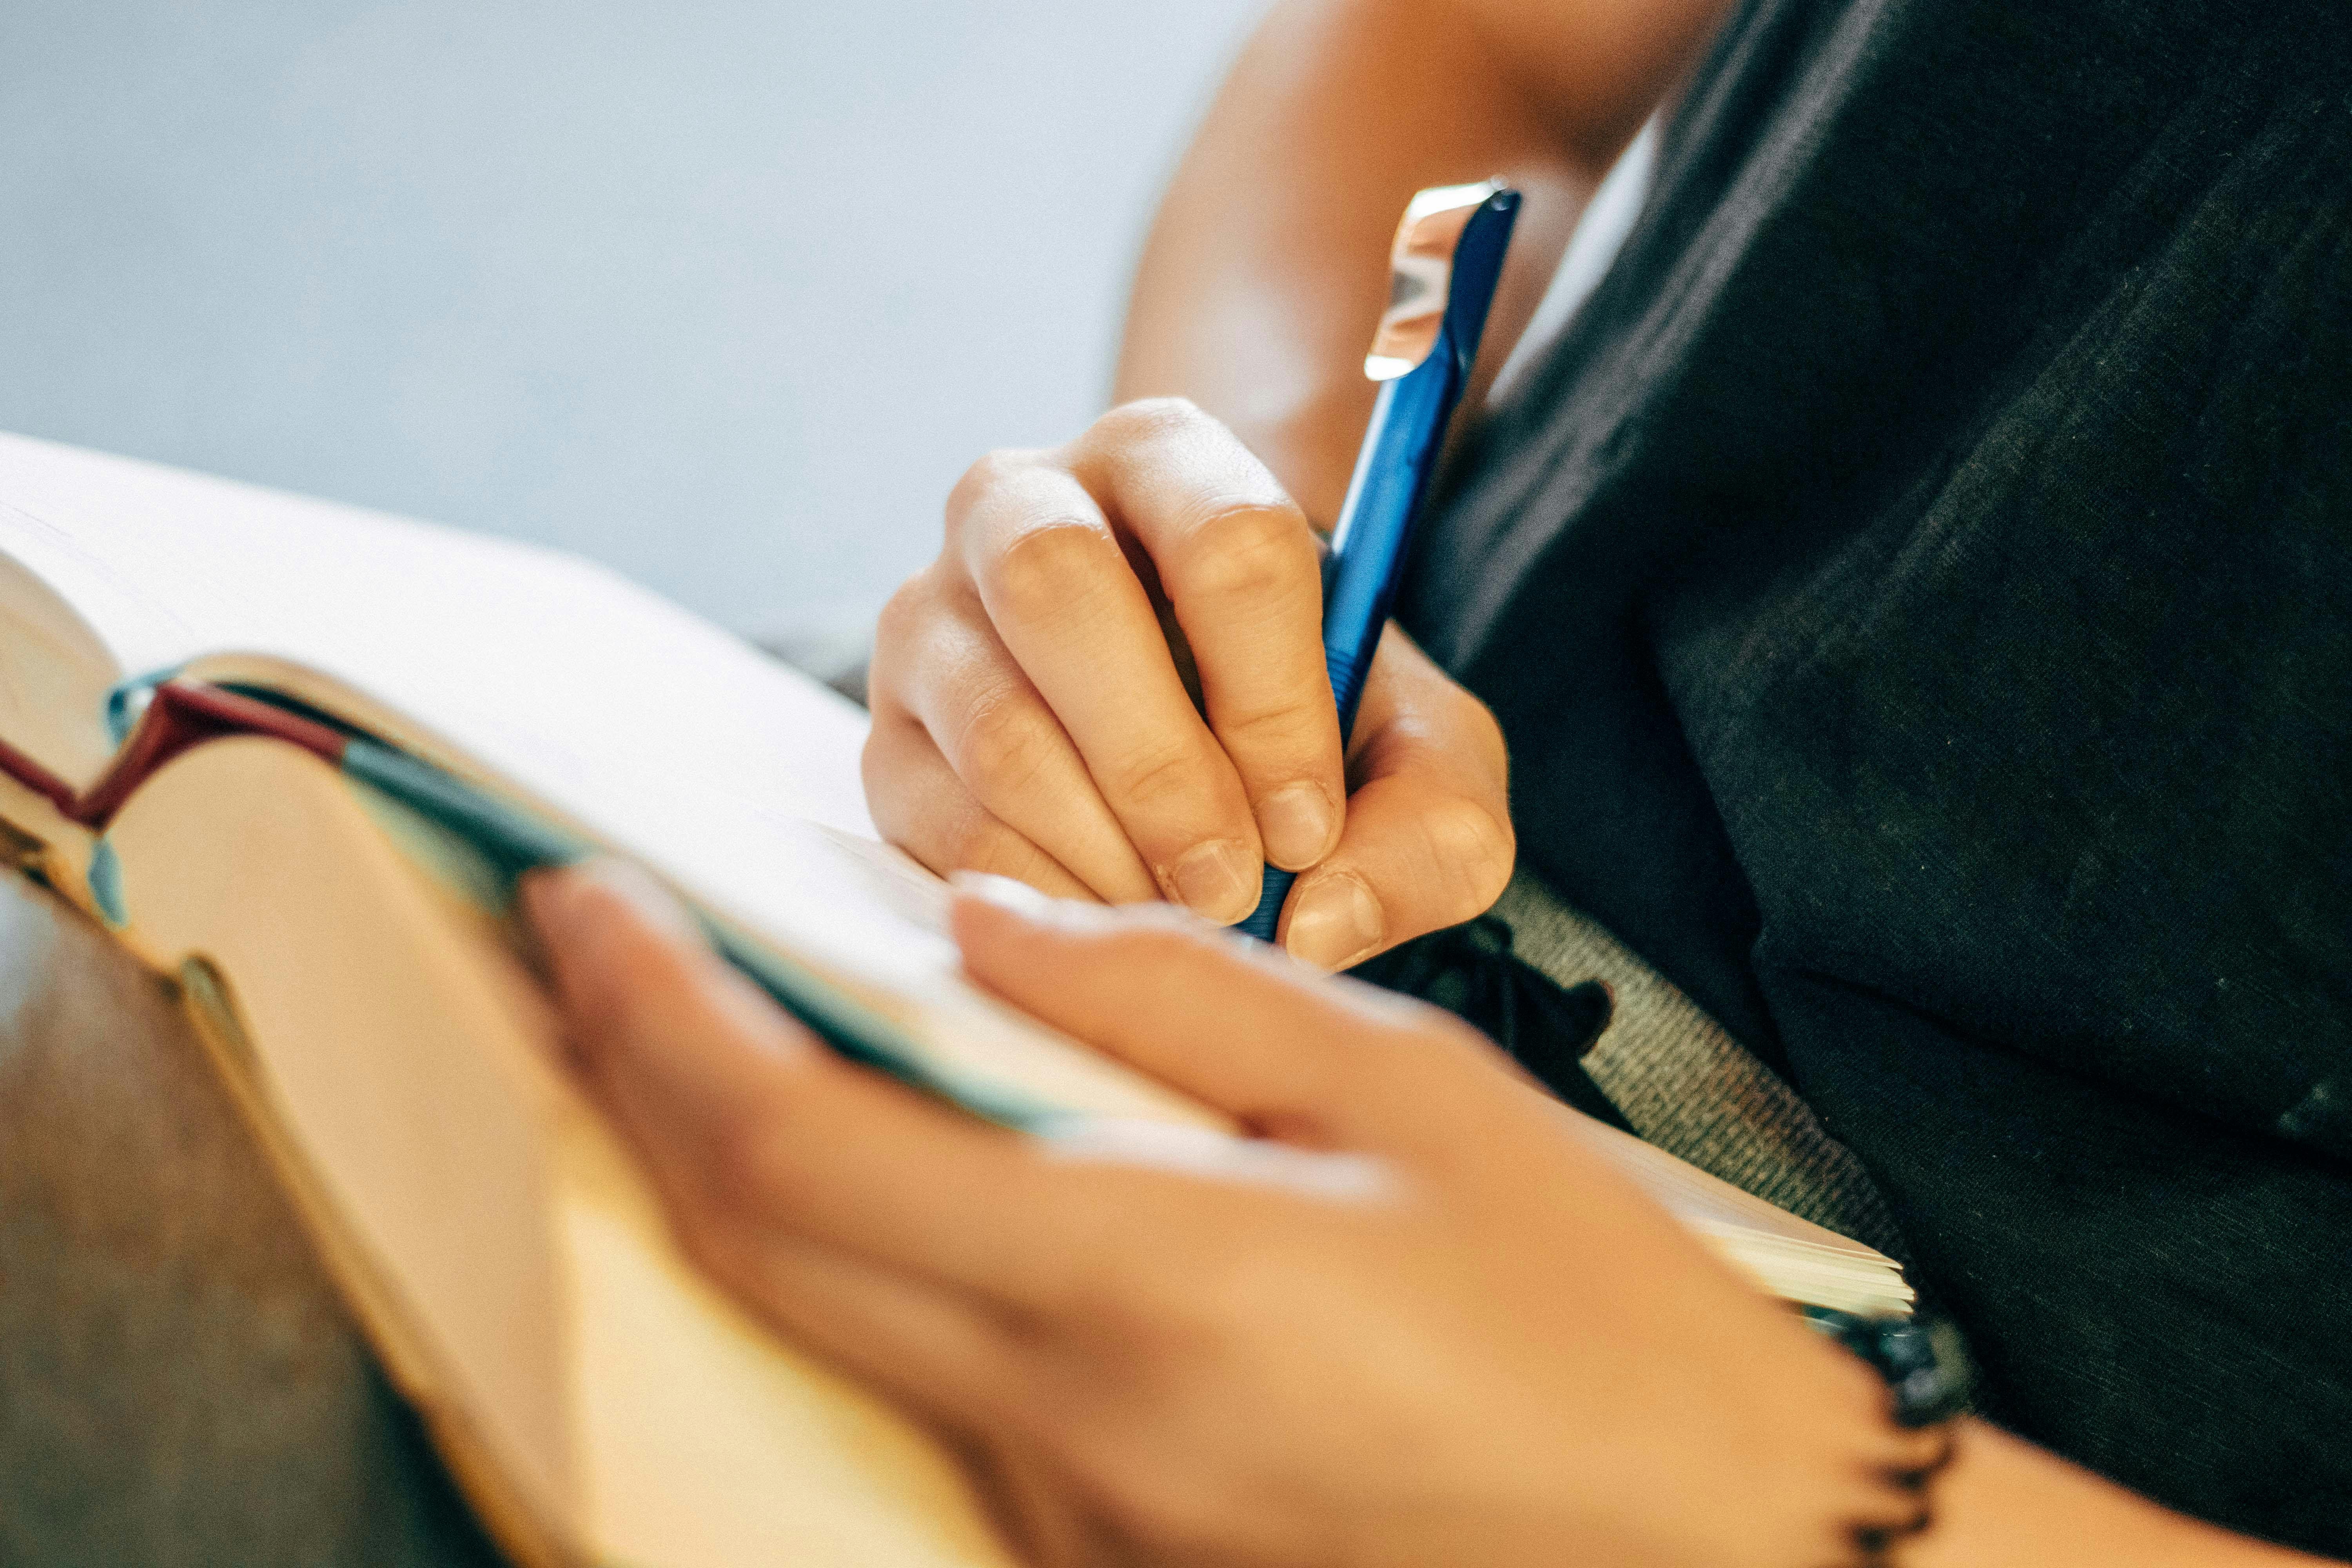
1916,591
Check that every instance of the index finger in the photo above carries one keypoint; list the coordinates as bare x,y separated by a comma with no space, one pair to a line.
1231,1022
745,1122
1241,570
1061,596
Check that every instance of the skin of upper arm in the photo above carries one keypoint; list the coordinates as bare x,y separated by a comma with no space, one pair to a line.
1591,70
1266,269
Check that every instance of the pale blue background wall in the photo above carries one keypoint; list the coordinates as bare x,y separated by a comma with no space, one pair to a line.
724,294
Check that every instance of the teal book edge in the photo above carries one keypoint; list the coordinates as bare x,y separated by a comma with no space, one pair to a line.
481,845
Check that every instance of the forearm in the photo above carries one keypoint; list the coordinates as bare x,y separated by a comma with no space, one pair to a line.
1267,266
2007,1504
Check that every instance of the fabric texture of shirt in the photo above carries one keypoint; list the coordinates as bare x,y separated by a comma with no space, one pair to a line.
1914,589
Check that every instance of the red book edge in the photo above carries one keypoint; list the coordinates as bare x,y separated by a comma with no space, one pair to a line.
180,714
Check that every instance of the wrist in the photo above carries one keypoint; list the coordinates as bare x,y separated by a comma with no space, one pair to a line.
1814,1468
2004,1504
1927,1376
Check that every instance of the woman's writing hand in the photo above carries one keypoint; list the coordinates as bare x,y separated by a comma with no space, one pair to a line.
1413,1319
1110,685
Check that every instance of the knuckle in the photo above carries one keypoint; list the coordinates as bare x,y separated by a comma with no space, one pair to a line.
1286,728
987,845
1166,771
1003,748
1047,567
975,846
1473,850
993,472
1147,419
1249,552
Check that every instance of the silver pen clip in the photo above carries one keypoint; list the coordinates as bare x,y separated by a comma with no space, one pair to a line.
1421,276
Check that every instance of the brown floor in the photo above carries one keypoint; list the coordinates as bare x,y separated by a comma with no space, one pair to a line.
178,1383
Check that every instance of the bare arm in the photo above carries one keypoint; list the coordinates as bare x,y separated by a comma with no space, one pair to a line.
1268,262
1029,718
2007,1504
1030,715
1375,1338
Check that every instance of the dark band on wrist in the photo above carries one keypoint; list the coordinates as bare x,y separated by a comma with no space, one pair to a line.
1927,1375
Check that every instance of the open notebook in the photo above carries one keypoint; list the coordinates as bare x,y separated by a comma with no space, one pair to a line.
345,952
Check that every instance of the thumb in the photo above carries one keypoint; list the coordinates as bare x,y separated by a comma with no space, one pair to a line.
1236,1024
1427,841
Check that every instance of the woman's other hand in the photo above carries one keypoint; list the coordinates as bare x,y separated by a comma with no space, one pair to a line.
1110,685
1413,1318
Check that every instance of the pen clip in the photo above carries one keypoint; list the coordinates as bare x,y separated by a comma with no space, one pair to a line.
1440,230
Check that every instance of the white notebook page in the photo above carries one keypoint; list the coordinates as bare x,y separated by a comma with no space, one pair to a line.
728,772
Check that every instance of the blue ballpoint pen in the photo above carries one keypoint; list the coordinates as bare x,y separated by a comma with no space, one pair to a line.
1448,254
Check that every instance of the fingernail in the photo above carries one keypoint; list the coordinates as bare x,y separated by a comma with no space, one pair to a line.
1217,880
1295,822
1335,922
